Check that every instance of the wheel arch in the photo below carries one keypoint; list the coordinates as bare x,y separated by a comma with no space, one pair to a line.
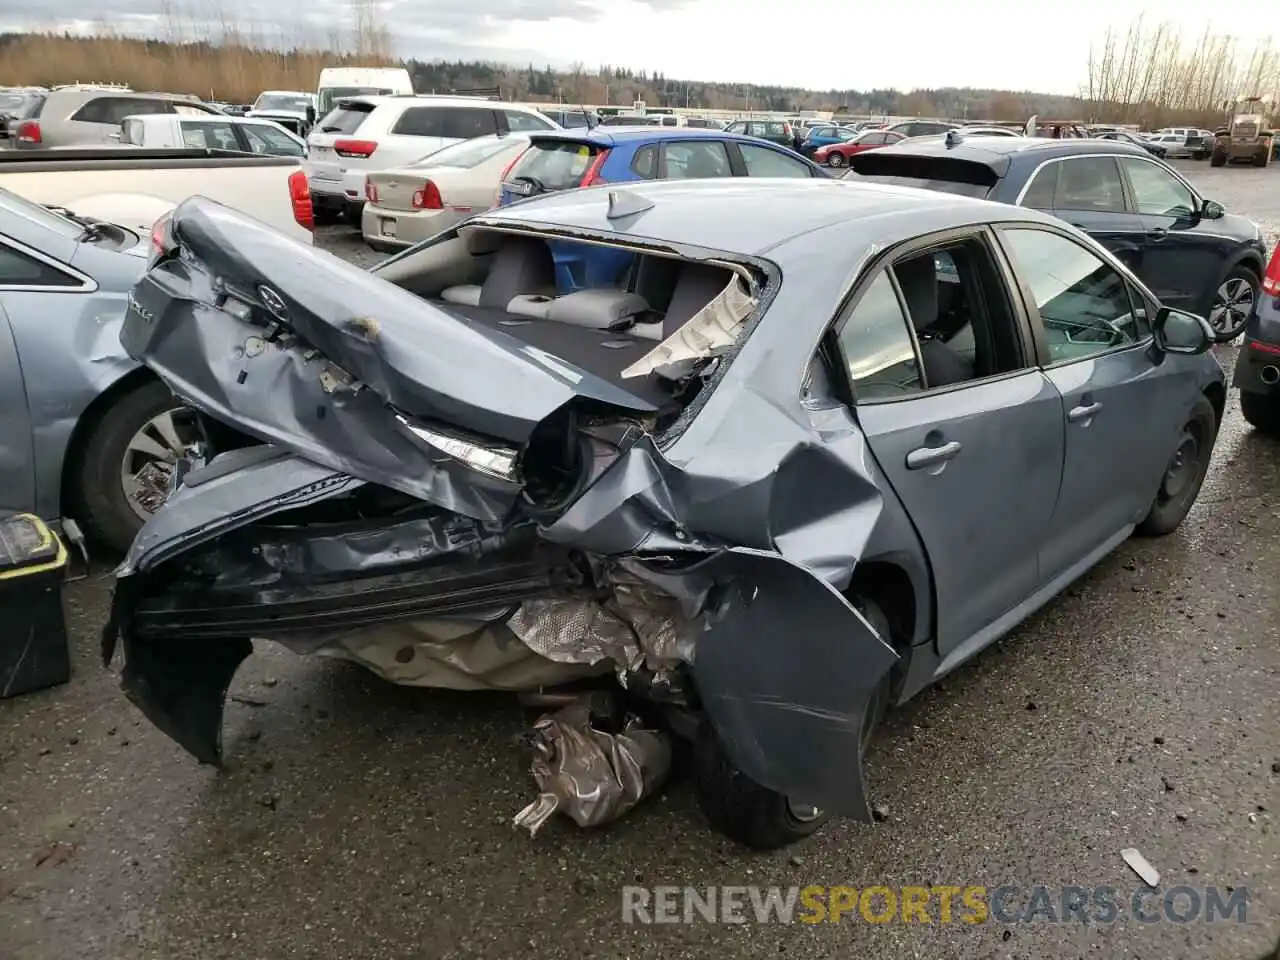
93,415
1216,394
890,587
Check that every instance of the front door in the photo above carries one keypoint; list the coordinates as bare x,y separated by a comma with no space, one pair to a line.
1183,260
1088,193
975,460
1120,425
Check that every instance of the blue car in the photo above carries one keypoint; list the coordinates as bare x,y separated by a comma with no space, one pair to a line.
566,160
825,136
1257,373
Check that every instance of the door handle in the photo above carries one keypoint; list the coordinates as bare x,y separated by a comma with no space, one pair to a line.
932,456
1083,412
1158,234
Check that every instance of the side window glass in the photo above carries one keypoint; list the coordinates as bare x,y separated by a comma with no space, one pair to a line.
1044,185
520,122
645,163
763,162
263,139
697,160
19,270
1089,184
467,122
877,347
1084,303
209,136
419,122
1157,192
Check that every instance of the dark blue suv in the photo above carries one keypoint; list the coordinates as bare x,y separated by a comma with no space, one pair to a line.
566,160
1257,373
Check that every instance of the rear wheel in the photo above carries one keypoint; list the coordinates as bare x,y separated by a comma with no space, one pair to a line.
835,160
1218,158
1185,472
1262,412
754,815
1233,303
122,474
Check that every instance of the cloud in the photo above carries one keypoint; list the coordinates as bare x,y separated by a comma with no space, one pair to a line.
440,29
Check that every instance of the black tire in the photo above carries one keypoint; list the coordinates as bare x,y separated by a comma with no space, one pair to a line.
98,498
1181,484
835,160
749,813
1262,412
1234,329
1218,158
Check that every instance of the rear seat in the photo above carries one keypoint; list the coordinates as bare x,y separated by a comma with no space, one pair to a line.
521,283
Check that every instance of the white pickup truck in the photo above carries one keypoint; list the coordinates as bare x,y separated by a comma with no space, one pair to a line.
135,187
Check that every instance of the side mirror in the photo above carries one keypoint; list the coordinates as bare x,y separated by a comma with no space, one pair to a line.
1183,333
311,115
1212,210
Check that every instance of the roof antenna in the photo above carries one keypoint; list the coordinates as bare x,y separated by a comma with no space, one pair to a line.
586,114
623,203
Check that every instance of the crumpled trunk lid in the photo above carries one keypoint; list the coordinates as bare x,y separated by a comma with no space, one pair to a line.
298,348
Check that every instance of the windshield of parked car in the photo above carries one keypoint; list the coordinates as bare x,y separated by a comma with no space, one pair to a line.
471,153
282,101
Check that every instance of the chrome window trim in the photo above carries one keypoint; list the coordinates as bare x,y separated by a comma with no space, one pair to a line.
1110,156
86,283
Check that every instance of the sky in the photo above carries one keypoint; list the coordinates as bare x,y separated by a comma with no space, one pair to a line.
818,44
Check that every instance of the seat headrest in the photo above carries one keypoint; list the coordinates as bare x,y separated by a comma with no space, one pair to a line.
918,278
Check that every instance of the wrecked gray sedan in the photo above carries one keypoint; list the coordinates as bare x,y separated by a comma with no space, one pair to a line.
766,473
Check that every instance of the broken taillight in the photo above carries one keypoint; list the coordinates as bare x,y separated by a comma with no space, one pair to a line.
163,242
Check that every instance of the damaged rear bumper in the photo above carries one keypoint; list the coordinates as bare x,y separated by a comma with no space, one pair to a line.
780,663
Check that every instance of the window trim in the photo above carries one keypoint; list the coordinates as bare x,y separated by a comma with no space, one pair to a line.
84,284
1032,313
1112,155
984,234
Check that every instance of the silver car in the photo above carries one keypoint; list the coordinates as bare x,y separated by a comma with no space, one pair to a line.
84,431
775,473
83,116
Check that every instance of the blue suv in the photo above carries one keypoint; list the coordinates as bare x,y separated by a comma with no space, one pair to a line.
566,160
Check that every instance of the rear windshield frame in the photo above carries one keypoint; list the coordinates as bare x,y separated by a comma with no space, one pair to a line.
566,152
344,108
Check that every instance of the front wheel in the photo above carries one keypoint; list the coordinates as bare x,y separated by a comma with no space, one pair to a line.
1218,158
835,160
1233,303
754,815
1185,472
122,474
1262,412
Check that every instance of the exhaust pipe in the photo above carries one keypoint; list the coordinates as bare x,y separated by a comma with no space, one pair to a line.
1270,375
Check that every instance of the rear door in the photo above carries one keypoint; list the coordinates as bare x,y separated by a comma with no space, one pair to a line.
1121,409
1089,193
975,458
419,131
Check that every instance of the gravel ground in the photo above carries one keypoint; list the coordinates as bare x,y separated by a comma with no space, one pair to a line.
361,820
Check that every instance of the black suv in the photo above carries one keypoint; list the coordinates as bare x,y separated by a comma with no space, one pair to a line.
1189,251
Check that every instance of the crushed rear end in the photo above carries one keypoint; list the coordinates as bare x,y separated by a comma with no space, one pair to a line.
456,477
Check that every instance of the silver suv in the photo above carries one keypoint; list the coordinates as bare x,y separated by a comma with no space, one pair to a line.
88,116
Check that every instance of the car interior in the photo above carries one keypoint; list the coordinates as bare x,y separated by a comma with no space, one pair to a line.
960,314
600,308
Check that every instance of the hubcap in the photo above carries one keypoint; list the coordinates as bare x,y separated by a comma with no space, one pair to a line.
1231,306
835,160
1183,467
150,458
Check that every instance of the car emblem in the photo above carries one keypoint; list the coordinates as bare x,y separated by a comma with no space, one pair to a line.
274,303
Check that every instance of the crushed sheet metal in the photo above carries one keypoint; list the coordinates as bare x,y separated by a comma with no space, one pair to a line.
1141,866
591,776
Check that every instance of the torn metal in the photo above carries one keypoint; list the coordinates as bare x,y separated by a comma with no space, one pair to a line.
451,506
588,774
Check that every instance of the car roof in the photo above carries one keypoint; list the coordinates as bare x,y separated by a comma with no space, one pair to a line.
616,136
726,214
998,152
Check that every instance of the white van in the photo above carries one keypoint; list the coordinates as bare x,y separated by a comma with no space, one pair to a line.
338,82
